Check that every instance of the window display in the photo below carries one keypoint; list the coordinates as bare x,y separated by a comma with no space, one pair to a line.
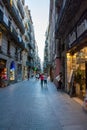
76,62
12,71
3,73
12,74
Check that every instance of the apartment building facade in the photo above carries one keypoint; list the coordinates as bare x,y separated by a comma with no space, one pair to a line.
11,41
17,42
70,41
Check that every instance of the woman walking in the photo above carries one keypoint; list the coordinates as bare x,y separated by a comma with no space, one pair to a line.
42,79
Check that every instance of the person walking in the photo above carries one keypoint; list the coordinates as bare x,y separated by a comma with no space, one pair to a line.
42,79
45,79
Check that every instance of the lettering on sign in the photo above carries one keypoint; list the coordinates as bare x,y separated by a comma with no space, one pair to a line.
72,38
82,28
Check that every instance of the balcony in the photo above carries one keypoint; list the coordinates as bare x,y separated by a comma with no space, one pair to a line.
4,22
30,45
17,19
66,14
7,3
26,37
23,2
31,55
29,64
14,33
58,4
15,15
20,8
6,25
16,38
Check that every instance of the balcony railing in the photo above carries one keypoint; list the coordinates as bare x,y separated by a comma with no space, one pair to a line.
15,15
23,2
30,45
16,38
26,37
7,3
14,33
31,55
30,64
17,19
20,8
4,22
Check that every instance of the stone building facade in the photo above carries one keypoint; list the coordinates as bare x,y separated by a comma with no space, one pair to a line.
16,42
70,42
11,42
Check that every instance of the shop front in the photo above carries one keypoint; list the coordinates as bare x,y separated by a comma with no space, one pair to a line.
3,73
76,72
76,59
12,71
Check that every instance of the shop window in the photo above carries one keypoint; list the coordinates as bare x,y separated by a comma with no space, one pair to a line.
3,70
3,73
12,71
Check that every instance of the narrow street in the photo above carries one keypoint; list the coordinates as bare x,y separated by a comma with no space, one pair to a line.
27,106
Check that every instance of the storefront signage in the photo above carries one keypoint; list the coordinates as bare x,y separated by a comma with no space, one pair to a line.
82,28
72,38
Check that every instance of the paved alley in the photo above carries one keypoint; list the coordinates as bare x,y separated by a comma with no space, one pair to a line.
27,106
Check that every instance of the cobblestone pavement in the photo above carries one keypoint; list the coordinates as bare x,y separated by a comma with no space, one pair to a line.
27,106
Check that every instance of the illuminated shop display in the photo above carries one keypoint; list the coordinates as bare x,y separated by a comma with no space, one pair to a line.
3,69
76,64
12,71
4,73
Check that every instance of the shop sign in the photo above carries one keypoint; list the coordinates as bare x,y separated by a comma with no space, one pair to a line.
82,28
72,38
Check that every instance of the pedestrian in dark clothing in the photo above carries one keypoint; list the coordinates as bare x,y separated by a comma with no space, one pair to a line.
42,79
